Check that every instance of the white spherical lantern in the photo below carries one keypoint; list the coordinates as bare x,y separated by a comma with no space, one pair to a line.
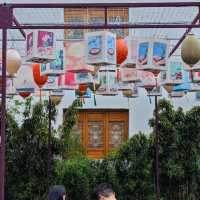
13,62
190,50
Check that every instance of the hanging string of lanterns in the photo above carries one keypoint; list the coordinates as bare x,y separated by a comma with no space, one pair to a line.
134,56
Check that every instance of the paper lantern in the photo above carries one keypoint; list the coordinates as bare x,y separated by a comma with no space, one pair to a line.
40,46
24,94
25,89
152,55
174,74
26,86
190,50
13,62
51,84
100,48
131,58
129,75
67,81
121,50
83,95
108,82
148,80
185,86
54,68
39,80
196,77
74,57
82,88
85,78
56,96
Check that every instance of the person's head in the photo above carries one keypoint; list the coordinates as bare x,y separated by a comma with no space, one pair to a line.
104,191
57,192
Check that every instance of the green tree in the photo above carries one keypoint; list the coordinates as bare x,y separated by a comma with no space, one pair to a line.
133,169
26,153
179,151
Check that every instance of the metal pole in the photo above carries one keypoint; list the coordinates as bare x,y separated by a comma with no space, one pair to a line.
3,117
49,145
108,26
157,147
105,5
183,36
21,30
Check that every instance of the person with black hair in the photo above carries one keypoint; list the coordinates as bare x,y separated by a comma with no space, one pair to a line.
104,191
57,192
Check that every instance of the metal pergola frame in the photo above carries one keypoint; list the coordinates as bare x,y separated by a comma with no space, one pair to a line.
9,21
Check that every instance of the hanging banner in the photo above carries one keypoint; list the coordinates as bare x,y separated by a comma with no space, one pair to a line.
40,46
100,48
54,68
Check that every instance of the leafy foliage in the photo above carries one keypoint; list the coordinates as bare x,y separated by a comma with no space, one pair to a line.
27,153
130,170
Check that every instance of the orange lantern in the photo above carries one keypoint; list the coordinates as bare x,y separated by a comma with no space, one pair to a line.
39,80
83,89
24,94
122,50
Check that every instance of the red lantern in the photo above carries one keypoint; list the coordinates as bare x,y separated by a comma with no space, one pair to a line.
122,50
24,94
83,89
39,80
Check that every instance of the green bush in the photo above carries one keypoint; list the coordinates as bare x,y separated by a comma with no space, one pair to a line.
134,169
77,174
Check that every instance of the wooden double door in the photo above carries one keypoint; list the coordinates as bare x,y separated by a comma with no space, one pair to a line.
102,130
